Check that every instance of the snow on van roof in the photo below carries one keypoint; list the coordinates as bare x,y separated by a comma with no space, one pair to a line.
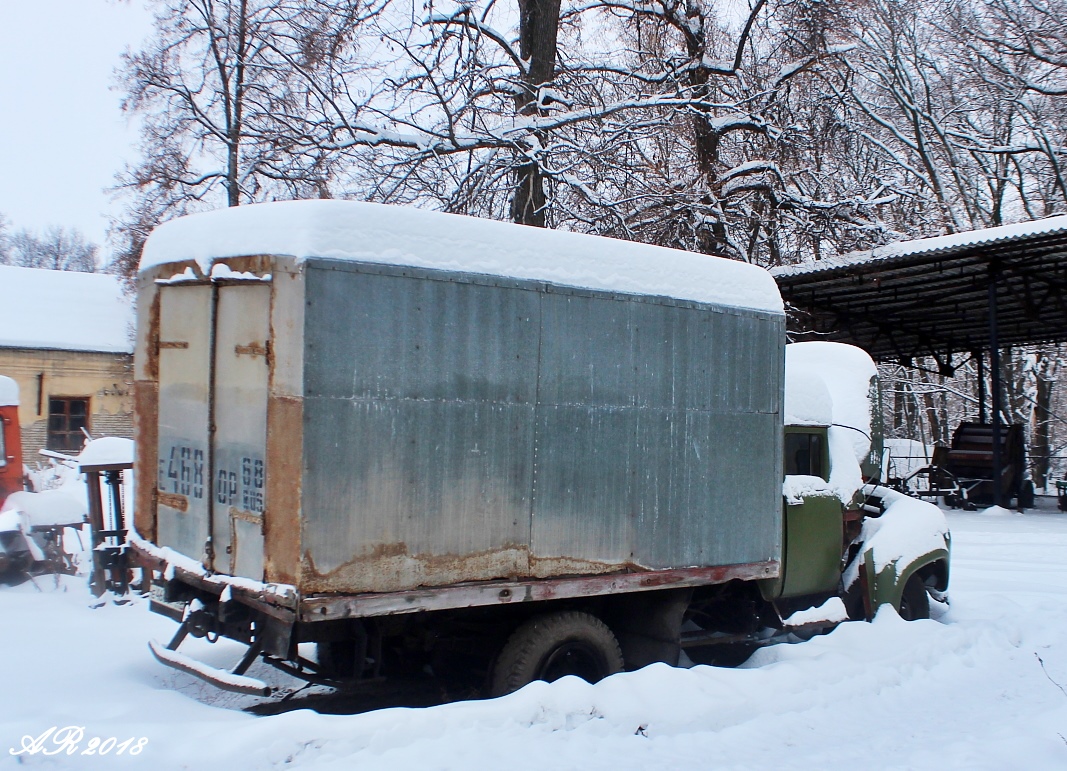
807,399
400,235
65,310
9,392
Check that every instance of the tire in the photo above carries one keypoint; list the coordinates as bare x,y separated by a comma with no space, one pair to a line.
556,645
914,601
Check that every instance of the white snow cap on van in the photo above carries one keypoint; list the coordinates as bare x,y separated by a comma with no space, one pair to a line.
402,235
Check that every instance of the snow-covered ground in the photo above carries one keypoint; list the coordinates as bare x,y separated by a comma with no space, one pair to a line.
983,686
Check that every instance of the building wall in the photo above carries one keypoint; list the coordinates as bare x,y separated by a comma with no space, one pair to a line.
105,378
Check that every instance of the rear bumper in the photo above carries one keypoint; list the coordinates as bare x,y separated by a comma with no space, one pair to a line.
220,678
261,616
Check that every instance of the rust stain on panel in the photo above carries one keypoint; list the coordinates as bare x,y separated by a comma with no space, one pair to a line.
252,349
146,433
246,516
150,337
390,567
553,567
257,264
173,501
281,522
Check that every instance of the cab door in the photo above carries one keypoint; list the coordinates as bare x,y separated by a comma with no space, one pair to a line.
814,527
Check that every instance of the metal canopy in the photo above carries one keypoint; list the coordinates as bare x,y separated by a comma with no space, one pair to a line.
969,292
934,296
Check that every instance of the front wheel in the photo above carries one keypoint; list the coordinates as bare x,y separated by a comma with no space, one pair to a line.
556,645
914,601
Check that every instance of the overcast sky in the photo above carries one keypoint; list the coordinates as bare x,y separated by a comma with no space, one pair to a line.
62,134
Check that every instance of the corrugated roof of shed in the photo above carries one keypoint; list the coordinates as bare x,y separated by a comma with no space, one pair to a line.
931,296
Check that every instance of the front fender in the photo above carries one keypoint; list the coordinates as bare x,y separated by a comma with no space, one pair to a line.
887,586
909,537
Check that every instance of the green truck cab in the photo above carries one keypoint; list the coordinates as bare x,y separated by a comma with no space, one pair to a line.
844,535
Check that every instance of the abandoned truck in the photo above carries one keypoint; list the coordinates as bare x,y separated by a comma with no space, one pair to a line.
424,441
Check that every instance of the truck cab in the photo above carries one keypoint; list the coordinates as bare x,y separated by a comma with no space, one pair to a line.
844,534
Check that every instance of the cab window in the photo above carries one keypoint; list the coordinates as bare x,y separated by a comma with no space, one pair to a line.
804,455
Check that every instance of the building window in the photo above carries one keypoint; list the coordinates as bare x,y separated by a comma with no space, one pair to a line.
68,419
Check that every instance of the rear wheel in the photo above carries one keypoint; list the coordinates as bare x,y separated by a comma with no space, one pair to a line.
914,601
556,645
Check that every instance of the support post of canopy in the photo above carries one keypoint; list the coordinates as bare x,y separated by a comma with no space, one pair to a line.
994,367
980,358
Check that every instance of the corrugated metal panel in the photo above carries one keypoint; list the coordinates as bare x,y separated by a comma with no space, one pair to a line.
682,479
459,428
418,429
384,336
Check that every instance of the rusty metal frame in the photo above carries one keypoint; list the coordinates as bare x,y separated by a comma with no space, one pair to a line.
275,605
290,609
486,593
109,561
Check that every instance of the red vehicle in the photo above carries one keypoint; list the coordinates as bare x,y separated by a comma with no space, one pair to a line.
10,441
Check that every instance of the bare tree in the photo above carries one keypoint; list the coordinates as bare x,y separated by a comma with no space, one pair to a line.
650,121
229,93
1045,423
57,249
4,245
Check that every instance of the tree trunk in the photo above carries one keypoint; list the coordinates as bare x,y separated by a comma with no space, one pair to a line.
1040,441
235,111
933,416
538,27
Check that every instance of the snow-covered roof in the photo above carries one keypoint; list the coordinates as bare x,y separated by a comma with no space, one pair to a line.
932,296
846,372
936,245
65,310
399,235
9,392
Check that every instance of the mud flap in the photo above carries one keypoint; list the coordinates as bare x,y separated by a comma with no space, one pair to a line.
234,680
